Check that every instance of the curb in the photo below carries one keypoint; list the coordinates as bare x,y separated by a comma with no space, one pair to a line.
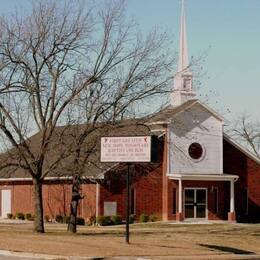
45,256
61,257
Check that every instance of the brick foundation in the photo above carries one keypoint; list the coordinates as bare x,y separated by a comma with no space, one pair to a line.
179,217
231,217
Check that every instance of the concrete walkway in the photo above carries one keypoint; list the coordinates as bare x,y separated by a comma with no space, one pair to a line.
9,255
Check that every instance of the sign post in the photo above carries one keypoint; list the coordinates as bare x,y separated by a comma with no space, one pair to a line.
127,149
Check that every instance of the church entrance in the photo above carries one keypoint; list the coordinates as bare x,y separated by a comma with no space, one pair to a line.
195,203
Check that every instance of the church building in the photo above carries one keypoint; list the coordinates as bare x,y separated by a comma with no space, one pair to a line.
201,173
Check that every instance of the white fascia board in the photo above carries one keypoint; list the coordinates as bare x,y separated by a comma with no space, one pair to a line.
204,177
50,178
219,117
211,111
159,123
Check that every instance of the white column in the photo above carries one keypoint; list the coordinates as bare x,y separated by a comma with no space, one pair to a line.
232,196
180,196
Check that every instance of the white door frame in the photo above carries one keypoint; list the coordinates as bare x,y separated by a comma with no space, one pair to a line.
195,207
6,202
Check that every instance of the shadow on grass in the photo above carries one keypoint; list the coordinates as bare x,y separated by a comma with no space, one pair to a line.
228,249
113,233
119,234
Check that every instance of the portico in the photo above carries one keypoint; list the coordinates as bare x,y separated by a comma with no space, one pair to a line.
193,202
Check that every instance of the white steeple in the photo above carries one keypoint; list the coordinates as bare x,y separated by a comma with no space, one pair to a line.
183,89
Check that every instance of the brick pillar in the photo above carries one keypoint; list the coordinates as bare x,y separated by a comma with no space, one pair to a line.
231,216
179,216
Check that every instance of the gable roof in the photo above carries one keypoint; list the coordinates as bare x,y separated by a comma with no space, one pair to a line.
168,113
241,148
63,143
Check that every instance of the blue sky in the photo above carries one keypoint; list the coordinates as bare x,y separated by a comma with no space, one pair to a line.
228,30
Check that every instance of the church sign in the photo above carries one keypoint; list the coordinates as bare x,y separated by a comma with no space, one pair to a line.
126,149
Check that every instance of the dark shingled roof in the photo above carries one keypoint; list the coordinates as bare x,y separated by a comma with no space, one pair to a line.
62,145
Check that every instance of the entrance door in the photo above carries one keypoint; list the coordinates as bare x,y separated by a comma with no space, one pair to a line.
6,203
195,203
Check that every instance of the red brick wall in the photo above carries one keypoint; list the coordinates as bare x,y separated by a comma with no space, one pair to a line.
236,162
56,198
88,204
146,180
254,189
148,190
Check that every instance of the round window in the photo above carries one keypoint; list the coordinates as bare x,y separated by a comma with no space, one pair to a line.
195,151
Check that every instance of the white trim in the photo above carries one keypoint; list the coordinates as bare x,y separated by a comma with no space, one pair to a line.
241,148
158,123
204,177
47,178
168,151
196,101
219,117
215,114
221,157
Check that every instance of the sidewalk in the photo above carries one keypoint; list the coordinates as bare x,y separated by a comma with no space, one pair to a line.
31,256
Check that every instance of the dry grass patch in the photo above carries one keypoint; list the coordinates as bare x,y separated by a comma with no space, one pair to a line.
156,239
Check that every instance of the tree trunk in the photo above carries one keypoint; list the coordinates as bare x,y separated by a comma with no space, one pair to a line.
38,206
72,226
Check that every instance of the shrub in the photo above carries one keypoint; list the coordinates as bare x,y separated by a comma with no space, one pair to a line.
80,221
28,216
116,220
91,221
144,218
104,220
9,215
153,218
47,218
20,215
59,218
66,219
131,219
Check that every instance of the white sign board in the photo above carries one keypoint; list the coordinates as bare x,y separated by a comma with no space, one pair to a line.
126,149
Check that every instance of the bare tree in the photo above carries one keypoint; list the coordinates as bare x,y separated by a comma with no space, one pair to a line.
71,57
248,132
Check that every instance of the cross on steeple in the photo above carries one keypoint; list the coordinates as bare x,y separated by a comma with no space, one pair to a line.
183,89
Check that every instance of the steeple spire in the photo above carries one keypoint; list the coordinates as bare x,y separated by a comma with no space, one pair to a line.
183,53
183,90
